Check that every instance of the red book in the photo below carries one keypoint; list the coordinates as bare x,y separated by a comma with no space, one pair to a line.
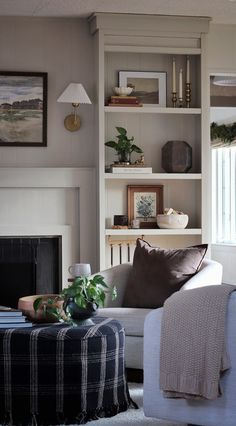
124,101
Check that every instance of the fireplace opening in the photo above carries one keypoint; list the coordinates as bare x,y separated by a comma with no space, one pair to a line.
29,265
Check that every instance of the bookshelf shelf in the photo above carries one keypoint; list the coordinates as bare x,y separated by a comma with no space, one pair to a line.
152,110
138,232
153,176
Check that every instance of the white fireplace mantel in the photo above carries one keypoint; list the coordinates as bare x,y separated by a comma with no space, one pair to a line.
83,179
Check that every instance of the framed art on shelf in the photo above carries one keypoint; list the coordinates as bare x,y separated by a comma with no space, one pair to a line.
148,87
145,202
23,108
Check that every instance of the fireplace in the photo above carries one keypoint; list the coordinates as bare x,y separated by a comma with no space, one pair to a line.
52,201
30,265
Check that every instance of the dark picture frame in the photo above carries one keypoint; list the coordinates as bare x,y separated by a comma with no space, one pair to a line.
23,108
145,202
148,86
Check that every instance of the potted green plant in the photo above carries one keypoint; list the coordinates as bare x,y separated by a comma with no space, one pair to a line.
124,146
85,295
81,299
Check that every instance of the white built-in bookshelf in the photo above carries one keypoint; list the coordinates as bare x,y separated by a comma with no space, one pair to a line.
149,43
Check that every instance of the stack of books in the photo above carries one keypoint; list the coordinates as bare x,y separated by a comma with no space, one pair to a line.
128,101
131,168
12,318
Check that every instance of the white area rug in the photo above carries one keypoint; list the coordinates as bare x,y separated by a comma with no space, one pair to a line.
133,417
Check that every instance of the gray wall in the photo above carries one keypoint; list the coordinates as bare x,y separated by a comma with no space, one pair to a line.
63,49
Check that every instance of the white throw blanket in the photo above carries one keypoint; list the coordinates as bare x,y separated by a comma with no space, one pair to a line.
193,352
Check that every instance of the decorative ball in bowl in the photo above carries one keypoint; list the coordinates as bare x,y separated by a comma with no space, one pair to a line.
172,221
123,91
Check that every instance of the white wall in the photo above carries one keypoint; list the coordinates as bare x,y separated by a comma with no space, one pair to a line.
222,48
222,59
63,49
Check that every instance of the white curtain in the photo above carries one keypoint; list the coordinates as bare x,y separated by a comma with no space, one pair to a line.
224,194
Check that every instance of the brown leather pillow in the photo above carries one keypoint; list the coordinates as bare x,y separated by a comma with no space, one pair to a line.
158,272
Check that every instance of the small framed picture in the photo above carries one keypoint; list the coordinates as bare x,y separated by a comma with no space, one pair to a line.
23,108
149,87
145,202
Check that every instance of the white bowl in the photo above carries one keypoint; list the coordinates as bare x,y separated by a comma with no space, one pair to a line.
123,91
172,221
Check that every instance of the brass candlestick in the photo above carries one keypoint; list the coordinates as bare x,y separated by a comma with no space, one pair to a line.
188,94
174,99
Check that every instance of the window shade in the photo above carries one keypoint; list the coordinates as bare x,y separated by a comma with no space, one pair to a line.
223,193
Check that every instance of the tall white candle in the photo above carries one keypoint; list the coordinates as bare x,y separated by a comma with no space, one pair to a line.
188,71
181,83
173,77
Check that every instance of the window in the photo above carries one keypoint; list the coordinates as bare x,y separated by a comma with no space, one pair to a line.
223,112
223,195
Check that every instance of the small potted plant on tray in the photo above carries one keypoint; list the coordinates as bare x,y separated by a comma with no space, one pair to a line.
124,146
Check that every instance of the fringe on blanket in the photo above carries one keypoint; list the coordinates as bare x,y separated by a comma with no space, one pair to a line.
37,419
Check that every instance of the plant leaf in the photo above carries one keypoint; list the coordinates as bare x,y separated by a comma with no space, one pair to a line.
114,293
135,148
122,131
103,284
111,144
53,311
102,299
37,303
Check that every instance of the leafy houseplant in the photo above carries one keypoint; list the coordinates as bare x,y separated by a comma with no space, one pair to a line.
81,298
124,146
85,295
49,308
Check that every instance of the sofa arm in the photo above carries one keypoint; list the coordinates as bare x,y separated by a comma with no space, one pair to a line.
117,276
210,273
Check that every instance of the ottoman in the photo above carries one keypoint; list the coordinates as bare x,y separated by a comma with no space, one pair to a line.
58,374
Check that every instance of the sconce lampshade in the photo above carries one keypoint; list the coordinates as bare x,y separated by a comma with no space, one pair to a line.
74,94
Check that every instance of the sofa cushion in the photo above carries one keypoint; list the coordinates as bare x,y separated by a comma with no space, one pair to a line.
132,319
158,272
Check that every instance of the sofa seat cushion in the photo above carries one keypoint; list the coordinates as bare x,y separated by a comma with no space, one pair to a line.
132,319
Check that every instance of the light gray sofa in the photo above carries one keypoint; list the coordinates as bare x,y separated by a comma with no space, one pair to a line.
132,319
218,412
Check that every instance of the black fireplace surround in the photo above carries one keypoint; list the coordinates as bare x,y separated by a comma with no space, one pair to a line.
29,265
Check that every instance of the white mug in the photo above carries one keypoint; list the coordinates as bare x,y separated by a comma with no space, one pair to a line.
80,269
135,224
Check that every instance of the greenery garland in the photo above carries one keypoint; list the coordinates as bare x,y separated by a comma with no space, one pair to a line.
226,133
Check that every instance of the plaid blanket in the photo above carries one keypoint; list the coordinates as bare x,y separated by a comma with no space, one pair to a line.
59,374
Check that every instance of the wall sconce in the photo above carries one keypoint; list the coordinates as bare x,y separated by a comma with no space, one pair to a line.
74,94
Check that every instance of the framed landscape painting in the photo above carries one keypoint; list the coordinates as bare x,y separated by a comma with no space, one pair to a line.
149,87
145,202
23,109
